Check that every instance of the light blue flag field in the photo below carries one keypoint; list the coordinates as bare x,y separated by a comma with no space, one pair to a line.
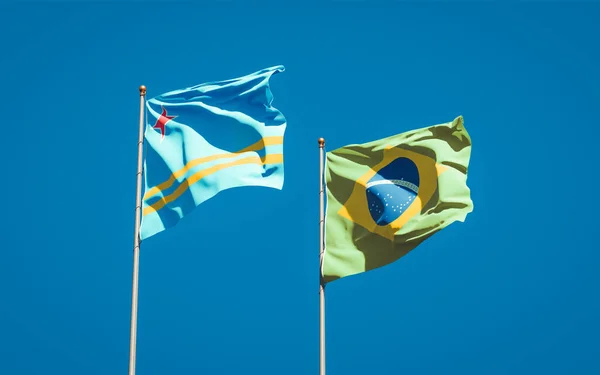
207,138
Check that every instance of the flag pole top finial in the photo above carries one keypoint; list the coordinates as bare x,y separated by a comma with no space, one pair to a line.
142,90
321,142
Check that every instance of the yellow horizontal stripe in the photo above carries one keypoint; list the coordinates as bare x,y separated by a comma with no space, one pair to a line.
266,141
268,159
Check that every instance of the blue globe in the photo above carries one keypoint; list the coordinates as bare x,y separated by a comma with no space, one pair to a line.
392,190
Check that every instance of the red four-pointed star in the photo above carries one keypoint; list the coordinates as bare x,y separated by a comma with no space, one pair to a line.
161,122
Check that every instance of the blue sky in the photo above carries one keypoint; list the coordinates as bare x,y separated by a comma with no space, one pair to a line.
233,288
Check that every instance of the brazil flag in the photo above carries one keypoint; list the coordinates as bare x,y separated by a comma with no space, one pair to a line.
387,196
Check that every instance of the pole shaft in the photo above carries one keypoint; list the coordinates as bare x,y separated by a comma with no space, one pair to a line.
136,238
321,253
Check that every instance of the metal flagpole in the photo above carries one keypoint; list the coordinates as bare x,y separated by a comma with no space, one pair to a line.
136,238
321,252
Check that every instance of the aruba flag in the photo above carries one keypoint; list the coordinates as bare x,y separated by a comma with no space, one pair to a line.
386,197
207,138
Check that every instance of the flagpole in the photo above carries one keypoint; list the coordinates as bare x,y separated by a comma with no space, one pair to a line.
321,253
136,238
